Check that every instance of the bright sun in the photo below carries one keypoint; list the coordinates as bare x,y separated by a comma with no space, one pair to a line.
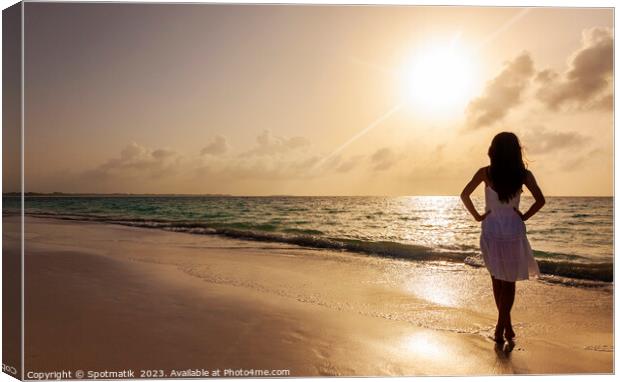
440,79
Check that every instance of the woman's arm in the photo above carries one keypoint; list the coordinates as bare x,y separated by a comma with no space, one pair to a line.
467,191
539,198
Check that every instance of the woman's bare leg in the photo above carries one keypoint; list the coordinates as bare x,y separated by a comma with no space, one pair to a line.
497,294
497,290
508,298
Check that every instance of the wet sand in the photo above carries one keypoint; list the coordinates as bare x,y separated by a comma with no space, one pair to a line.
111,297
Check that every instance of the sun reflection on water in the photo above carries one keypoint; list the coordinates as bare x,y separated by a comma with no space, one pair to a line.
436,215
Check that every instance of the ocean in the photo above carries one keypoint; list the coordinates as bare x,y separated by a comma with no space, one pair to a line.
572,237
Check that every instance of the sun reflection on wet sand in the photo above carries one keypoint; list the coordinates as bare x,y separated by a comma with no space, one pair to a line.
426,345
435,288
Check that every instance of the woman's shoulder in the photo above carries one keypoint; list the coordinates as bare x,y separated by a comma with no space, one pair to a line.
529,178
481,175
483,172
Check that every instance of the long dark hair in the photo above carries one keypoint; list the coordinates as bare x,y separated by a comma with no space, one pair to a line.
507,170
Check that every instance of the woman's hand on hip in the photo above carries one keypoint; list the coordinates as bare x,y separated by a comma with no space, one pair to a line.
480,218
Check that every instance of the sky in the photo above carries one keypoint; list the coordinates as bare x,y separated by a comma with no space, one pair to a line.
312,100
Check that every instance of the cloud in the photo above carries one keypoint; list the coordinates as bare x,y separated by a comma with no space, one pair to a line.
161,154
587,83
540,140
216,146
138,162
262,168
383,159
501,93
341,165
271,158
578,162
349,164
271,162
268,144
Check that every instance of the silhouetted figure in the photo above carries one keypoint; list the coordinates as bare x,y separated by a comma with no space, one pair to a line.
503,242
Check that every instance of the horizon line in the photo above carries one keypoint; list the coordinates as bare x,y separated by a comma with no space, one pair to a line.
130,194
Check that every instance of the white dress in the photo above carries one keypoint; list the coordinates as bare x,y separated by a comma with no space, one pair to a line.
503,242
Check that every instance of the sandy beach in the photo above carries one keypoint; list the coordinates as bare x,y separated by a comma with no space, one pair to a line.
108,297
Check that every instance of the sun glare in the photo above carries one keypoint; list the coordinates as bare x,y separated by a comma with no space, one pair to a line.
439,79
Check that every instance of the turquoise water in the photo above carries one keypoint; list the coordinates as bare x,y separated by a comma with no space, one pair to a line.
571,237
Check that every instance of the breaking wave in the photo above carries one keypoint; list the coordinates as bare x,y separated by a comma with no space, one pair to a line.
558,267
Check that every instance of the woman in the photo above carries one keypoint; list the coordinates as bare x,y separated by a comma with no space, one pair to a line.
503,242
